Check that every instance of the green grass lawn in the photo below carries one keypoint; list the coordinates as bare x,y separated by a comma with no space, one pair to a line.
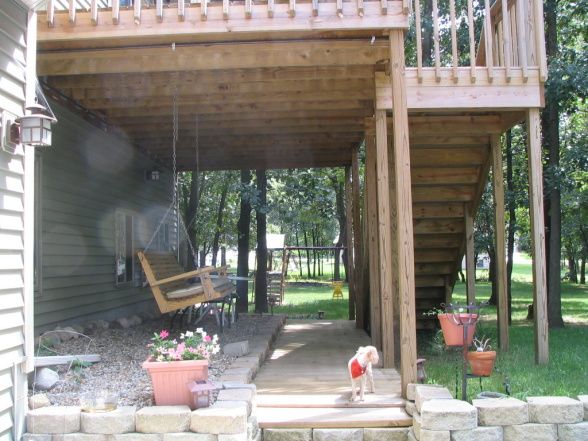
565,374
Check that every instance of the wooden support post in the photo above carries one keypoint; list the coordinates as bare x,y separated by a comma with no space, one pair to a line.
469,255
357,257
72,11
350,249
499,239
50,13
115,11
405,238
537,237
384,239
395,261
94,12
373,242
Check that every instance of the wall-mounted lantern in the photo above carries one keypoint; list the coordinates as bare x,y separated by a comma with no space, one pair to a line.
152,175
35,128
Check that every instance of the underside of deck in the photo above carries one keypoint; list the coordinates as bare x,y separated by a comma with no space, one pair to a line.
304,382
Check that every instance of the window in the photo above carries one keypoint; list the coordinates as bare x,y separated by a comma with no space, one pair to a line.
123,260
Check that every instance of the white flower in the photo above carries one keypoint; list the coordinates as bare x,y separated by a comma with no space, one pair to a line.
188,334
199,330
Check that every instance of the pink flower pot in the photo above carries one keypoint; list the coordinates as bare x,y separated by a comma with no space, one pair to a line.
170,380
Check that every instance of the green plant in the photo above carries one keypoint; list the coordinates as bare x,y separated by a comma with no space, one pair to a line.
482,344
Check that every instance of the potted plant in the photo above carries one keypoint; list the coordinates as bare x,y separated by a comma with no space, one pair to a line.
482,359
173,364
452,320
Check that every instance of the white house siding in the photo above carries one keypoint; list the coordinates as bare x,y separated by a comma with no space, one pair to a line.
86,177
13,278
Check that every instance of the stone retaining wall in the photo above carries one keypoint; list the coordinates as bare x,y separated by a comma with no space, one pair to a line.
439,417
231,418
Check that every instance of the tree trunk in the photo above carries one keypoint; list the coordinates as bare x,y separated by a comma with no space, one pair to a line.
583,270
203,256
223,256
307,254
572,267
512,222
493,300
243,226
191,213
550,129
342,220
261,220
219,221
299,254
427,34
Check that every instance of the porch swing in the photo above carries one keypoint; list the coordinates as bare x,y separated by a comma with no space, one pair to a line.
173,288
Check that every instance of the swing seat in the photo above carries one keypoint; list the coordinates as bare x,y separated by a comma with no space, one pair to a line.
171,286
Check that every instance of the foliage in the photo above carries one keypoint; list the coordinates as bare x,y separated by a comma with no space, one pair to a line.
192,346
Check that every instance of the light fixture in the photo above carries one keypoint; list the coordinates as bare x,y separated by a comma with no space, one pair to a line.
152,175
35,128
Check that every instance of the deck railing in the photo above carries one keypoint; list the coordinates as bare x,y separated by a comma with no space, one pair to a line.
505,34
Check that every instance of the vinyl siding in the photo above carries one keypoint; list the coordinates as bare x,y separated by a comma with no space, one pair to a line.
87,176
13,22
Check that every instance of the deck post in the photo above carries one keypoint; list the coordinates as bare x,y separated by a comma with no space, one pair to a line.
537,237
349,244
384,239
395,261
357,242
403,191
499,238
372,238
469,255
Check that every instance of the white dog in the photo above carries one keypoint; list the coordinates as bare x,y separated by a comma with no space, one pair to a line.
360,370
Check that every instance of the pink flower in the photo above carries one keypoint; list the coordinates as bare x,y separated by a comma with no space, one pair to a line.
207,338
164,334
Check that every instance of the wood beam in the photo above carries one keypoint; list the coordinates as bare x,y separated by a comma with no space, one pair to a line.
211,56
470,256
537,237
373,247
499,242
405,239
350,246
384,239
357,257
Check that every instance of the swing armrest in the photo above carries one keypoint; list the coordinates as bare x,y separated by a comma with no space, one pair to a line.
198,272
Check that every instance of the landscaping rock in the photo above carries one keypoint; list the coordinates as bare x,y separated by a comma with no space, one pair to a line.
337,434
501,411
55,419
38,400
80,437
447,414
242,395
287,434
236,349
410,408
385,434
163,419
121,322
232,437
417,425
67,333
135,320
37,437
573,432
189,437
49,340
478,434
531,431
555,410
45,379
121,420
424,393
227,417
410,436
584,400
136,437
433,435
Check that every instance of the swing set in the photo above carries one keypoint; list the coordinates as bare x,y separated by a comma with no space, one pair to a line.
175,289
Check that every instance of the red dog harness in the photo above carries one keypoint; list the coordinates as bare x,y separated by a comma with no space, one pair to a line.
357,370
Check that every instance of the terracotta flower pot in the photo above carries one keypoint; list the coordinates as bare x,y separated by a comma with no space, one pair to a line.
170,380
482,363
453,333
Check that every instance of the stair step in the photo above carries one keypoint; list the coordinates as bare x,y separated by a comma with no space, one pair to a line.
331,418
331,401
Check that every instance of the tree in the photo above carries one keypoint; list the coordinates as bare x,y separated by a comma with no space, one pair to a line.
261,304
243,226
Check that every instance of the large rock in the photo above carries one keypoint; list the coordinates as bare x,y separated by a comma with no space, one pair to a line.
584,400
501,411
45,379
478,434
531,432
448,415
55,419
38,400
187,436
229,417
163,419
573,432
555,410
337,434
121,420
434,435
243,395
236,349
135,320
135,437
287,434
424,393
385,434
410,408
37,437
80,437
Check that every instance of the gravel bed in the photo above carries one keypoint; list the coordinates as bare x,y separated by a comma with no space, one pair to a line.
123,351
